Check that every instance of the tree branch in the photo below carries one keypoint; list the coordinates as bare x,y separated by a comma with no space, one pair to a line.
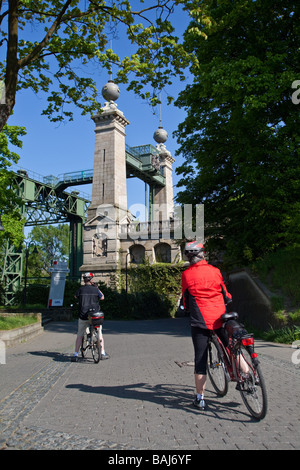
36,51
3,15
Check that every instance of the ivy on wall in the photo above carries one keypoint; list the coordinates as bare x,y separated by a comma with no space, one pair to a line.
152,291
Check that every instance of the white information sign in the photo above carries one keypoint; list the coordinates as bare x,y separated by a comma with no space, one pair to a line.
58,281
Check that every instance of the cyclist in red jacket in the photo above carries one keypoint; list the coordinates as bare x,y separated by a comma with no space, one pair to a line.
205,297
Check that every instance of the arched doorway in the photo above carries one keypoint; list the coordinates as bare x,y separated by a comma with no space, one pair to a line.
137,253
162,253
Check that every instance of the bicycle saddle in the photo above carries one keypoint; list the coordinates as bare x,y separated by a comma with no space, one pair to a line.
230,316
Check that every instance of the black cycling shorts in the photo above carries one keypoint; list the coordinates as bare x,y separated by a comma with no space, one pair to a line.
200,337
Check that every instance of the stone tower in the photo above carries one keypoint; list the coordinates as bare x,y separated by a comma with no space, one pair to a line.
164,195
109,175
112,239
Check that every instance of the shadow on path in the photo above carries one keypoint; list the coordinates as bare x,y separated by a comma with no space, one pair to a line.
169,396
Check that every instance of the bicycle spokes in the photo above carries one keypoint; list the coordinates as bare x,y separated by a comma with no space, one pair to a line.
91,341
96,346
216,368
251,384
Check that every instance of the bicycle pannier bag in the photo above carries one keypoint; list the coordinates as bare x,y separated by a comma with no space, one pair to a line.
97,319
235,329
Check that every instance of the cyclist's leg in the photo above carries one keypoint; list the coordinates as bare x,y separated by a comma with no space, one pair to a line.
104,355
200,339
242,364
223,335
82,324
101,338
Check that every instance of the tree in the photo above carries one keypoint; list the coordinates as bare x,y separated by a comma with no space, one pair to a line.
52,243
10,215
241,135
71,34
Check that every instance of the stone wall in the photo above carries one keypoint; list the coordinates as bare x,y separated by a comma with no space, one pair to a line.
24,333
251,300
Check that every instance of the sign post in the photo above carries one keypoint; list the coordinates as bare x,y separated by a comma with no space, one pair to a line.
58,281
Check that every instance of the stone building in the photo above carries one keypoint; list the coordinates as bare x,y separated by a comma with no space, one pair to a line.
113,239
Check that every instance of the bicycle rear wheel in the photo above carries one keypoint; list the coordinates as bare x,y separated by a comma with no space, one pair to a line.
96,346
252,387
216,368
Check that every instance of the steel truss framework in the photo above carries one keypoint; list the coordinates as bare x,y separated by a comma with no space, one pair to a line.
43,204
44,201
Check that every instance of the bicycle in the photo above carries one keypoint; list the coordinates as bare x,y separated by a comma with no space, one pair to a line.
228,363
91,339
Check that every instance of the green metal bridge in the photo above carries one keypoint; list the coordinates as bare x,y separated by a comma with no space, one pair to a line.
44,200
141,162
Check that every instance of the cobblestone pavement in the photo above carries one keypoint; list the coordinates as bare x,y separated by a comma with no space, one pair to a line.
139,399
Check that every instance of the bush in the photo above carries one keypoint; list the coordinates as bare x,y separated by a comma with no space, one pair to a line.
281,270
35,294
153,292
70,290
285,335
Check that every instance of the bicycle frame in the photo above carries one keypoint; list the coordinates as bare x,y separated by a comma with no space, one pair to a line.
237,362
232,355
89,342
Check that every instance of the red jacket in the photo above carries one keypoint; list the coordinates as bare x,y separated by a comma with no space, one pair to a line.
204,295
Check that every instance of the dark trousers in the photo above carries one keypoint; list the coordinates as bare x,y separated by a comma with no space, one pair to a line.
200,337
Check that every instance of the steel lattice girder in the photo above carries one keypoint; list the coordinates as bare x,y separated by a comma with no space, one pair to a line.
44,204
12,272
41,204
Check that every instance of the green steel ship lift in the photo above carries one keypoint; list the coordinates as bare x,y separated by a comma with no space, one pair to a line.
44,200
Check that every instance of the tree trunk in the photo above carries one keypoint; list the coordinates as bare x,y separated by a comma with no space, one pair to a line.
11,77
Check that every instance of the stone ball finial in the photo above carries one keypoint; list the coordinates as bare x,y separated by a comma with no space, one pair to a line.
160,135
111,91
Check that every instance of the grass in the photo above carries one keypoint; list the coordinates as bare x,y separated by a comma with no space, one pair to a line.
16,321
285,335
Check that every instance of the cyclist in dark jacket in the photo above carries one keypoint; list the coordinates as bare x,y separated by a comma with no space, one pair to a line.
205,297
88,297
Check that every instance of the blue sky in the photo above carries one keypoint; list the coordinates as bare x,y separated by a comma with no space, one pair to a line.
51,148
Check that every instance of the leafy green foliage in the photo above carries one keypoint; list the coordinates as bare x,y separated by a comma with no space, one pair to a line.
10,214
153,292
281,271
286,335
36,294
52,243
50,43
241,135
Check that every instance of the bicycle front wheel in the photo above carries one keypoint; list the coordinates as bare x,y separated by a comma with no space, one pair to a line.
216,368
252,386
96,347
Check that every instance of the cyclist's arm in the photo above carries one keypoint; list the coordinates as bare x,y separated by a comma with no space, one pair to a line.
185,294
100,295
227,297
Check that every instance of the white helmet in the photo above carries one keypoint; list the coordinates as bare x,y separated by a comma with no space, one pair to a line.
88,276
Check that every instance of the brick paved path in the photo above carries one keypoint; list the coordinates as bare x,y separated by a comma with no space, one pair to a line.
138,399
